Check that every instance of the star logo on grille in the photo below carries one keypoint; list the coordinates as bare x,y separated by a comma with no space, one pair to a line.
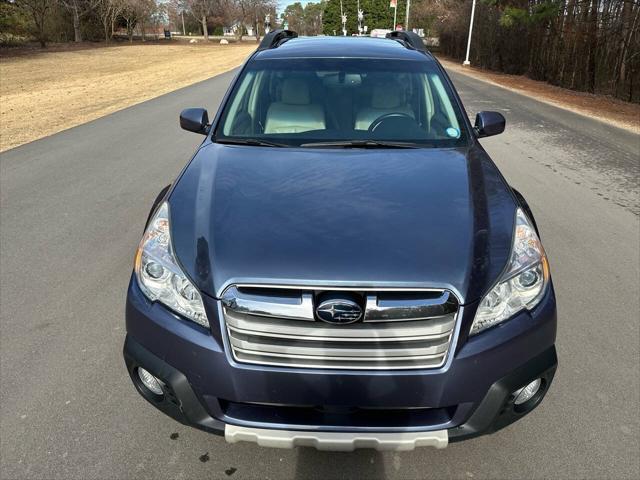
339,312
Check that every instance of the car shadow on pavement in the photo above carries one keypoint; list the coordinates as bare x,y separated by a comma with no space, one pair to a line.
364,463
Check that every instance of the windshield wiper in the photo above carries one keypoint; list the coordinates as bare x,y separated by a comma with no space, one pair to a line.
250,141
363,144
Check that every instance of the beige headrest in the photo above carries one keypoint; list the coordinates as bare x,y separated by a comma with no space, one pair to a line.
386,96
295,92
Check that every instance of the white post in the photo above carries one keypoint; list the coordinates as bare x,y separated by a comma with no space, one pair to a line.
473,11
395,16
406,19
184,32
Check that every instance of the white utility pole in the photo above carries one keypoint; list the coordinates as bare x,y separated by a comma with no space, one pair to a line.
406,18
395,15
473,11
184,32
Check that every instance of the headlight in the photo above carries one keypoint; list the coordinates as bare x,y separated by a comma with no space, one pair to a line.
522,285
159,275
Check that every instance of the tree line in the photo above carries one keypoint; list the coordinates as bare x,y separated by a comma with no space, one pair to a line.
237,15
304,19
79,20
378,14
586,45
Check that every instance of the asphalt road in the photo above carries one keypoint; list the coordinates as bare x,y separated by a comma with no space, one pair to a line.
74,204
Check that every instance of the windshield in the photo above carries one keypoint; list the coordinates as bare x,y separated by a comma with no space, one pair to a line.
358,102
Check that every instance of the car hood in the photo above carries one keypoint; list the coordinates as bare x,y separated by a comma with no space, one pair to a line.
433,218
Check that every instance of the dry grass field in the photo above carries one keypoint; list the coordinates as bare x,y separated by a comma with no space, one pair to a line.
45,92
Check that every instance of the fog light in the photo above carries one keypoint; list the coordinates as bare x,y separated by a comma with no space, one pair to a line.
149,381
527,392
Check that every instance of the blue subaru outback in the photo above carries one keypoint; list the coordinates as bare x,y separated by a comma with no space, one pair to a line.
341,264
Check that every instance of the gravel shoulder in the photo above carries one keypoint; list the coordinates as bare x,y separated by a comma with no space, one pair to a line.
46,92
598,107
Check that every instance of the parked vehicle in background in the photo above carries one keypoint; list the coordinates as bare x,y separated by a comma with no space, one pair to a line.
379,32
341,264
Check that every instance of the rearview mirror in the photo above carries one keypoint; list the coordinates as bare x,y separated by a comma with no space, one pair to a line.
195,120
489,123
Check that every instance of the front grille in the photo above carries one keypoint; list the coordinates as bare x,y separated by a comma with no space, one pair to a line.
399,330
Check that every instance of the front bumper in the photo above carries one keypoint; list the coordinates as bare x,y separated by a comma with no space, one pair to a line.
471,395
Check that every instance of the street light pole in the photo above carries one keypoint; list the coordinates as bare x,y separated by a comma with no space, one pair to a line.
406,18
473,11
395,15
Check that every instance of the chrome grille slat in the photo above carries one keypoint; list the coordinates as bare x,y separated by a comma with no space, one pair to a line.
330,351
300,308
329,364
337,339
262,353
440,326
268,328
381,310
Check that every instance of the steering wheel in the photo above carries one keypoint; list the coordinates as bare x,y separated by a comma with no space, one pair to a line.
397,119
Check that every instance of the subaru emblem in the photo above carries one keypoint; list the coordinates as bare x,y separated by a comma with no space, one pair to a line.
339,312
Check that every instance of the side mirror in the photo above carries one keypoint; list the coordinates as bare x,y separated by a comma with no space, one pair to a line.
195,120
489,123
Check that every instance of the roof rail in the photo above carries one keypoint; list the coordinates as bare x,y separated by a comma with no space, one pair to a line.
410,39
275,38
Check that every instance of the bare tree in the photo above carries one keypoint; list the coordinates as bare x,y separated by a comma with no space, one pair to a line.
175,13
108,11
130,15
39,10
252,12
230,13
78,9
145,9
589,45
260,8
201,9
158,14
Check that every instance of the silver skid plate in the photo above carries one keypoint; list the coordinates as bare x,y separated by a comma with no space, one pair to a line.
336,441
